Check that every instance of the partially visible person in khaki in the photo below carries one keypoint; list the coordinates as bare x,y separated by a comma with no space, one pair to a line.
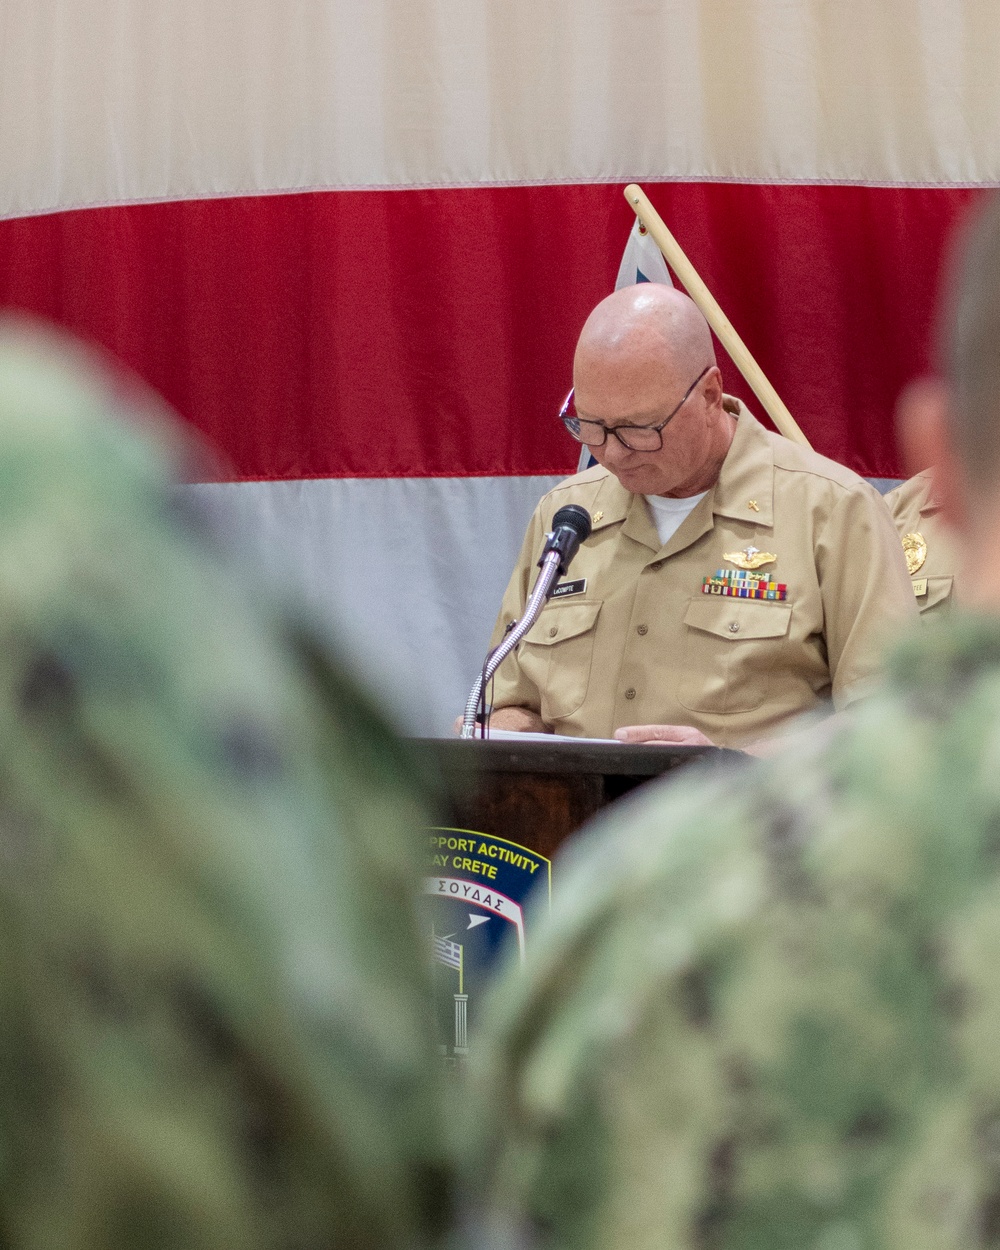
642,652
928,541
214,1015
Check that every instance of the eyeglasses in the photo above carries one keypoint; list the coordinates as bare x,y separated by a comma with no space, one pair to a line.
633,437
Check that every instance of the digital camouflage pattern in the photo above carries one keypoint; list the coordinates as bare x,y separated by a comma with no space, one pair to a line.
765,1012
214,1024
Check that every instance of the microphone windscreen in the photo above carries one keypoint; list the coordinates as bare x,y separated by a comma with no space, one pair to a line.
574,517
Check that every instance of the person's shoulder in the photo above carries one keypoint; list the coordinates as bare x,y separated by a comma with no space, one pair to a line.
793,460
582,488
913,488
670,918
721,916
910,496
792,457
589,481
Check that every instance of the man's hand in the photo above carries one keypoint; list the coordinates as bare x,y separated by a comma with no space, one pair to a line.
679,735
520,719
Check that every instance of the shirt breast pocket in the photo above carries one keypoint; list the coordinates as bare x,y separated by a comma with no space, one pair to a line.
557,656
731,648
937,596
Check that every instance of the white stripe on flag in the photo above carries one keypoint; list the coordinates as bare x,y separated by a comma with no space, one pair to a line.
125,100
407,572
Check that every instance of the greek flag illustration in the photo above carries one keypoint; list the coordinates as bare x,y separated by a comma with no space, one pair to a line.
451,954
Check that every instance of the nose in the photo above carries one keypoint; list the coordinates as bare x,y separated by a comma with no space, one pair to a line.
614,451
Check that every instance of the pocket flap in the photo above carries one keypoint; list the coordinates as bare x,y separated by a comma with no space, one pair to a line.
560,621
938,589
738,618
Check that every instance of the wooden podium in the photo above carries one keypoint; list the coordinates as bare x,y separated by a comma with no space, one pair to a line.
536,794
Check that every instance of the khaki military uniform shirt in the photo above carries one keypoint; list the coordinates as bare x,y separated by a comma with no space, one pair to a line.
638,642
916,514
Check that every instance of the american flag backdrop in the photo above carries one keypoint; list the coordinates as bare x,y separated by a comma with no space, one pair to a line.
353,242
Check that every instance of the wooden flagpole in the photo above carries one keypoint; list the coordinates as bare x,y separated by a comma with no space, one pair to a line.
713,314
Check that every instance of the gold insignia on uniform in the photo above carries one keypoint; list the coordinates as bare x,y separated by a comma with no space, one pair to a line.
752,505
750,558
915,550
598,516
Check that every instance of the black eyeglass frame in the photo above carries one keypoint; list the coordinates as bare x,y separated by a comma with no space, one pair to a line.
569,421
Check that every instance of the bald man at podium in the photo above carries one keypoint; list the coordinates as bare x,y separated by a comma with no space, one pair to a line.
732,578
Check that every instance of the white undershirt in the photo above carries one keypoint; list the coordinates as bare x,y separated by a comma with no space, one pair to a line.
668,514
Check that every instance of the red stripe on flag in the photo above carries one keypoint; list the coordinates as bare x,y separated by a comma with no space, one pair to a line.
431,332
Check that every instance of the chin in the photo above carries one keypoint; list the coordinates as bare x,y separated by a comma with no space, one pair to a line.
641,481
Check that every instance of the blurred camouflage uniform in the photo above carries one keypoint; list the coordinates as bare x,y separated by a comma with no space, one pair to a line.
766,1010
213,1016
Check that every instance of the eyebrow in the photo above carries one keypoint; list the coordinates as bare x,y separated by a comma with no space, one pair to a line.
640,424
596,421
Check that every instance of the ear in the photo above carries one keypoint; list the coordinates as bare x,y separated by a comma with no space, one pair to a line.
712,391
923,433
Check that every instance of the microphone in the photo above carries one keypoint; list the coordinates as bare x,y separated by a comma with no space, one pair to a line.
570,527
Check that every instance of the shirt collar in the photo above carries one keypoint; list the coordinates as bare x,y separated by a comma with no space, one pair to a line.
611,503
928,505
744,490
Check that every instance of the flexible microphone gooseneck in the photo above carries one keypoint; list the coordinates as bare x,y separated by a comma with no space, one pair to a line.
570,527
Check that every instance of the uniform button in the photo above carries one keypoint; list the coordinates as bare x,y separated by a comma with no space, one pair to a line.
734,628
642,629
657,564
553,630
630,693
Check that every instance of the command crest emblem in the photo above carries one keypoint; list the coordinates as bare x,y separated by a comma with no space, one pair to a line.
475,897
915,550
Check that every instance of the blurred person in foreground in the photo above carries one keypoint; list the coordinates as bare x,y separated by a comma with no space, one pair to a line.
213,1013
765,1010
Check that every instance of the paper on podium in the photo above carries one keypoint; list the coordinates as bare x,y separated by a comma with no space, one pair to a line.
512,735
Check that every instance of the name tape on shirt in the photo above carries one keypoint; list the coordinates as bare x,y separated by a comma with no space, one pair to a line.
570,588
